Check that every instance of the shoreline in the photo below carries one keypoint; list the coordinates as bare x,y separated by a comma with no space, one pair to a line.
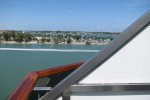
35,42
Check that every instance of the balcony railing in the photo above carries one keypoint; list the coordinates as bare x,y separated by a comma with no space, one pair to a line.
106,89
24,90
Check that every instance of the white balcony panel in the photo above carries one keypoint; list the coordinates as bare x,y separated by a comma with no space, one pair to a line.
129,97
130,65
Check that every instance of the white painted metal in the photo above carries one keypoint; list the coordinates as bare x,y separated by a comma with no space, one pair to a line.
129,97
130,65
107,89
42,88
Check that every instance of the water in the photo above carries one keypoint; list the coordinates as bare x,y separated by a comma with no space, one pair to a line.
15,64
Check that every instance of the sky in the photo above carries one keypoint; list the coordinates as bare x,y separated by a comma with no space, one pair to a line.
70,15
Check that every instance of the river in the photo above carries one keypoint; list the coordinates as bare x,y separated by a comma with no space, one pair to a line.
16,60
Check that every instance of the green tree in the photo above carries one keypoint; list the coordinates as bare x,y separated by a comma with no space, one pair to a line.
0,38
77,37
19,37
27,37
63,40
43,40
111,38
12,34
48,40
56,41
6,36
69,40
88,43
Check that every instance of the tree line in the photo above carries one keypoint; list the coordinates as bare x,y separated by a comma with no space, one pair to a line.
66,38
15,36
20,37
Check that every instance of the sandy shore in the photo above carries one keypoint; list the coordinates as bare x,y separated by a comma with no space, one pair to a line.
35,42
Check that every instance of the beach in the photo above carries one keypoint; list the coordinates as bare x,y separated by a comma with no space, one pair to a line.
35,42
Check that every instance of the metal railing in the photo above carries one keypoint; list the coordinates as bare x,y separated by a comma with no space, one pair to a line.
24,90
103,89
88,67
108,89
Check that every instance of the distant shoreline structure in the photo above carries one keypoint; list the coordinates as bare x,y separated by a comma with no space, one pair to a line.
56,37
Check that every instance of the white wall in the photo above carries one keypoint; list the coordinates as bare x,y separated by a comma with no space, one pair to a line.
129,97
130,65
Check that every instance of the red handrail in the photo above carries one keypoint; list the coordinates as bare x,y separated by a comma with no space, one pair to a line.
23,91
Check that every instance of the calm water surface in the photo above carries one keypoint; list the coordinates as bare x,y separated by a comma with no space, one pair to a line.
14,65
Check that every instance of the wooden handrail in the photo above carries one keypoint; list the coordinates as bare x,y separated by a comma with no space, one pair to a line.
23,91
